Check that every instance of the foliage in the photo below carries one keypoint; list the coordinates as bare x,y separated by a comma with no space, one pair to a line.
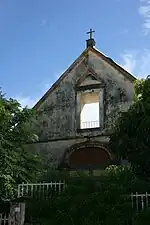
122,176
50,174
78,205
143,217
88,201
122,173
133,128
16,163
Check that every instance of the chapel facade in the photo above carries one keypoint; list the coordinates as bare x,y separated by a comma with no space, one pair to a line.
76,115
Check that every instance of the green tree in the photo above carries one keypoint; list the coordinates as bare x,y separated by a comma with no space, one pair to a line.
16,163
130,138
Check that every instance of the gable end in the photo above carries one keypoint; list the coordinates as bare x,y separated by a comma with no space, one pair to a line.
84,56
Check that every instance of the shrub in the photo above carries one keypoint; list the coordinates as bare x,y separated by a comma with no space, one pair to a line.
85,202
143,218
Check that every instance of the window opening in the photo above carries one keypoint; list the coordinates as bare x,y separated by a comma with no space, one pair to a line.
89,117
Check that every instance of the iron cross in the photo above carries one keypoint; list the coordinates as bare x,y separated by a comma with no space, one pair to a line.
90,33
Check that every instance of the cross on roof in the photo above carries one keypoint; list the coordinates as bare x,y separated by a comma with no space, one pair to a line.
90,33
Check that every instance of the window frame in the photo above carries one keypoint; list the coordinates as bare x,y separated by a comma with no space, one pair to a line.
79,90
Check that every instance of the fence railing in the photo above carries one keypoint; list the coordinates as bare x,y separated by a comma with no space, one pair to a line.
15,215
6,219
140,201
40,189
89,124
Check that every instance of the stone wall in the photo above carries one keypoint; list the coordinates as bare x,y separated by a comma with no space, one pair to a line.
56,124
52,152
57,118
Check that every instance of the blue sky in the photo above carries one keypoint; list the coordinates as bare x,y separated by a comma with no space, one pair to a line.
39,39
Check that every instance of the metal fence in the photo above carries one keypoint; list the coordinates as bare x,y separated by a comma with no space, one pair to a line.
89,124
40,189
140,201
15,215
6,219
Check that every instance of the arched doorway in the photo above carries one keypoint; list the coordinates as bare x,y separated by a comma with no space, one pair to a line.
88,155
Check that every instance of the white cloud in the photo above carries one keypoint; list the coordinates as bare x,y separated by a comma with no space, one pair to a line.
26,101
137,62
31,101
43,23
144,11
125,31
144,64
128,61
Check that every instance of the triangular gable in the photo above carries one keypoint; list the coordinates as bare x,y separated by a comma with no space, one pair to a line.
89,77
76,62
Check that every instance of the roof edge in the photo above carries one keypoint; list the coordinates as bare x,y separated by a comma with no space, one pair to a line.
63,75
114,64
71,67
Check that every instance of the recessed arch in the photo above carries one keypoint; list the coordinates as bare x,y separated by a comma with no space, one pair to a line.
87,155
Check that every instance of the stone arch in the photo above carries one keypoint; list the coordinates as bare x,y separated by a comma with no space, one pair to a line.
87,155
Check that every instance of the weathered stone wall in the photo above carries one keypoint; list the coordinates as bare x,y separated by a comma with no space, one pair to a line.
57,114
58,118
58,111
52,152
118,92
